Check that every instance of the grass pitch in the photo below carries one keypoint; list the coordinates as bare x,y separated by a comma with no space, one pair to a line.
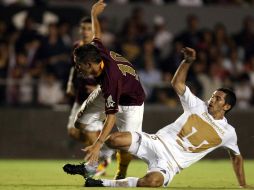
48,175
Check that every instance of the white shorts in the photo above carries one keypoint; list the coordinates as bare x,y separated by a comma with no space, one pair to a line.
150,149
128,118
74,110
95,126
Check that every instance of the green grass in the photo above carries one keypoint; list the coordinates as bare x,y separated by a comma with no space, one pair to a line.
48,175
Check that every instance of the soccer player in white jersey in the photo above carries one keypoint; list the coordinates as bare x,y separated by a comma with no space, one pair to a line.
199,130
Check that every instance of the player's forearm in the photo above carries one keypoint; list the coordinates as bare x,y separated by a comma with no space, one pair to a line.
96,28
108,125
70,86
237,162
71,76
179,79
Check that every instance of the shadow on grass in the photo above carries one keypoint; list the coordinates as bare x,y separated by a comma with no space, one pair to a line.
188,187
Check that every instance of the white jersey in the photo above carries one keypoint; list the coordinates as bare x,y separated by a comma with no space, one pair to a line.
196,133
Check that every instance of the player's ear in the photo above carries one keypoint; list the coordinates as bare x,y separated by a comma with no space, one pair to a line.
226,107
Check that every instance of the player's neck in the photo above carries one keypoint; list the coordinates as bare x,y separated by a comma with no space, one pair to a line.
217,115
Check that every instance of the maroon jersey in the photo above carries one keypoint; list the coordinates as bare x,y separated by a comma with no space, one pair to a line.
119,81
80,82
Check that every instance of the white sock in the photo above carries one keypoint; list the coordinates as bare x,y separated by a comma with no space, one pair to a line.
127,182
91,168
106,152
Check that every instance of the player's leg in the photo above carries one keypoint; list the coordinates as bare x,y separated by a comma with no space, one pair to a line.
152,179
85,136
72,131
91,120
141,146
129,118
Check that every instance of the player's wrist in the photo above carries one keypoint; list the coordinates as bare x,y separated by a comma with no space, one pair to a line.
100,142
189,60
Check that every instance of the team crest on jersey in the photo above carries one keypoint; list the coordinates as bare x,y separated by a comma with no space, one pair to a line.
110,102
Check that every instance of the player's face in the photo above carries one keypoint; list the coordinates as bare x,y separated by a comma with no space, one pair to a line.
216,103
86,32
87,69
83,69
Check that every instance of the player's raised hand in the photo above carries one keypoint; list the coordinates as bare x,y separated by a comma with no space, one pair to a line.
98,8
189,54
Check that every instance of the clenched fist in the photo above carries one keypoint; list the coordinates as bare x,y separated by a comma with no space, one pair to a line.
189,54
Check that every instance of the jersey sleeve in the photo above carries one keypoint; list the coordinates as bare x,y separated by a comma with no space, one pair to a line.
112,94
232,145
189,100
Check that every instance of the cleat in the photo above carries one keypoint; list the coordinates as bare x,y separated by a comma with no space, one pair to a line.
81,169
90,182
119,176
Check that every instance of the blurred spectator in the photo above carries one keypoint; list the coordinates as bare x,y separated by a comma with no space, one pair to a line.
221,39
55,54
65,33
191,35
120,1
171,63
206,75
233,64
21,89
162,37
27,33
206,40
50,92
243,91
150,76
3,30
245,38
129,45
137,18
191,3
108,38
250,71
164,93
156,2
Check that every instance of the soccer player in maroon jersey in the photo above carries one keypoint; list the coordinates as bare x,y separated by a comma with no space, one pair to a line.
80,87
120,96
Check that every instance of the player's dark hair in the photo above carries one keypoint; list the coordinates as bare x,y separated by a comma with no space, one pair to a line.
230,97
86,20
87,53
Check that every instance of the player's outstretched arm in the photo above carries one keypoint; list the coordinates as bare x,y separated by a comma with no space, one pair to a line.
237,161
70,91
97,9
179,79
92,152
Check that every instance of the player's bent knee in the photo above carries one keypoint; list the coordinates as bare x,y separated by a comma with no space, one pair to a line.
74,133
111,142
79,125
119,139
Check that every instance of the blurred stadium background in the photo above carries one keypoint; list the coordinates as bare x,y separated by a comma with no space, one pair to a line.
36,38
